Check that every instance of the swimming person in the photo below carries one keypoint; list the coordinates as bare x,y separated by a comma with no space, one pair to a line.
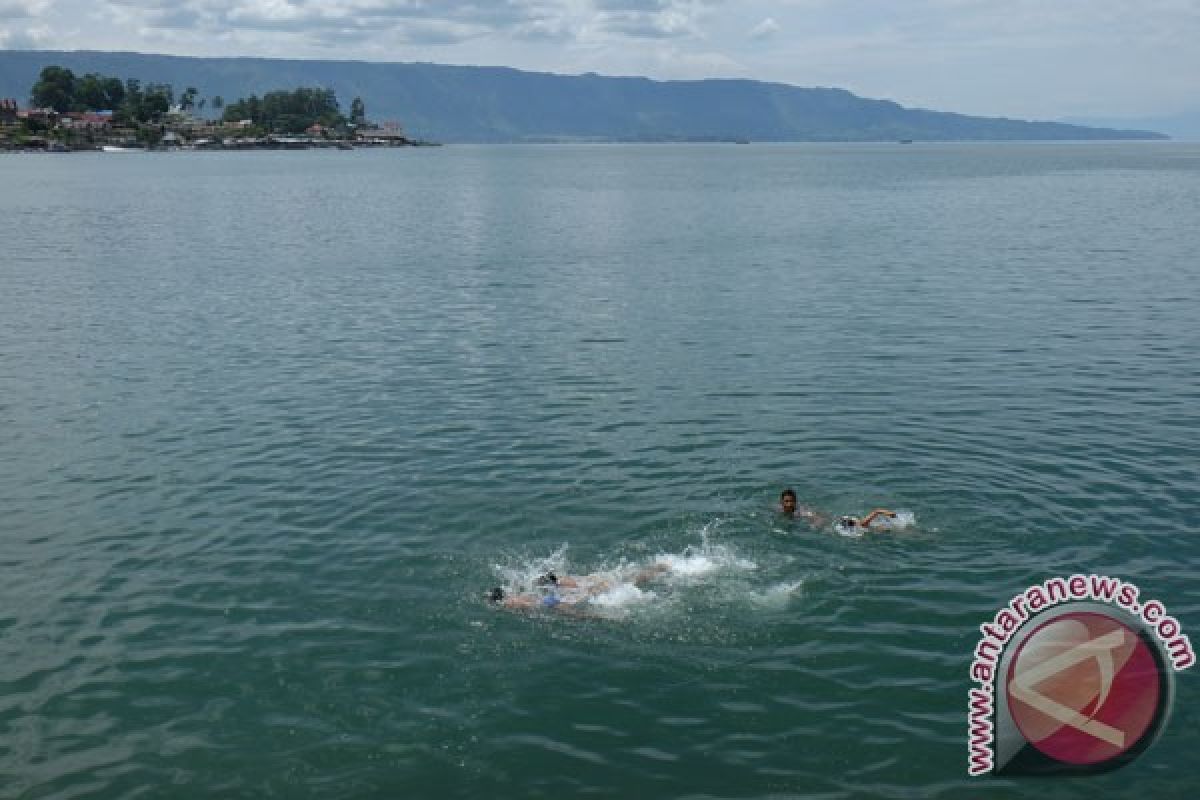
566,593
864,524
789,508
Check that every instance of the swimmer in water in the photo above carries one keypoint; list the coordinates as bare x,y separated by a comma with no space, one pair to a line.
789,508
864,524
566,593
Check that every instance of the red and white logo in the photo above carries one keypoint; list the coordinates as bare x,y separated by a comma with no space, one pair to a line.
1084,688
1075,676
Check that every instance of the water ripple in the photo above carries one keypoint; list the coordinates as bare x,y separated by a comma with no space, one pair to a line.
261,460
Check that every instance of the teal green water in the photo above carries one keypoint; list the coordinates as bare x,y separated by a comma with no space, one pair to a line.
272,422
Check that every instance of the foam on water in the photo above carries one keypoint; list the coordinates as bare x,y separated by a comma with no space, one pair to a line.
622,596
521,576
849,531
700,562
717,570
777,596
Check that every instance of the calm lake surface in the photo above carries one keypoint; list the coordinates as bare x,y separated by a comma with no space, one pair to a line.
270,423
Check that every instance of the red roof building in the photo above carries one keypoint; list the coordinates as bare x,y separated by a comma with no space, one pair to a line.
87,119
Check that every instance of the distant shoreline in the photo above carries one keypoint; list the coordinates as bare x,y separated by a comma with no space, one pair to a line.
276,147
266,144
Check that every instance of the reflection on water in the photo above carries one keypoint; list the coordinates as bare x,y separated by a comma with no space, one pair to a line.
274,422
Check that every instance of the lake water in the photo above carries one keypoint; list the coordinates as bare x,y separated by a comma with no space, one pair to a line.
270,423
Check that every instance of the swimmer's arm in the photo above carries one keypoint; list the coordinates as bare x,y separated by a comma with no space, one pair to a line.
879,512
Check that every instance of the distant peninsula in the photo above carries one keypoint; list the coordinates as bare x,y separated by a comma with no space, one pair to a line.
457,104
69,113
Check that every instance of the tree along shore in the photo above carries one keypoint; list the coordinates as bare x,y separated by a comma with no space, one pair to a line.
95,112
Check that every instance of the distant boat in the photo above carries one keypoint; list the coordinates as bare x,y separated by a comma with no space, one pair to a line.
906,141
112,148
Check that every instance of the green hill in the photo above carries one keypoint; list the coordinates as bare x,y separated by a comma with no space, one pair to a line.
497,104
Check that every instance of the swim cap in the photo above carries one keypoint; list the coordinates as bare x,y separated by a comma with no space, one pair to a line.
495,595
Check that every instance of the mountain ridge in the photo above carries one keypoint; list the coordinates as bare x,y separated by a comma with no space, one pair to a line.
502,104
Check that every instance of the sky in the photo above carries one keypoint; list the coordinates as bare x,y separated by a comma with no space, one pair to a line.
1030,59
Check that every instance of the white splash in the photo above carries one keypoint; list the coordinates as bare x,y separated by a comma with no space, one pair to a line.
657,586
522,577
622,596
778,596
702,561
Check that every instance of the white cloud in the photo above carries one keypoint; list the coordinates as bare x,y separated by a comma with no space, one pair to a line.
649,24
765,29
24,38
22,9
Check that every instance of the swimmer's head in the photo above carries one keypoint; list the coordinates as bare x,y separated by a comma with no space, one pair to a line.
848,522
787,502
495,595
549,579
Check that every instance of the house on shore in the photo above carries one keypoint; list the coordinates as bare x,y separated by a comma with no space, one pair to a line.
47,117
94,121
